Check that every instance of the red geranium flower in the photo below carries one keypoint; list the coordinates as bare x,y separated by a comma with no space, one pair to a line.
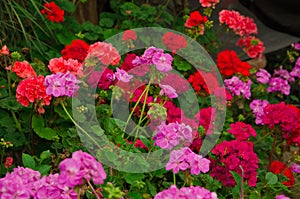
53,12
173,41
229,63
23,69
195,19
279,167
76,50
129,34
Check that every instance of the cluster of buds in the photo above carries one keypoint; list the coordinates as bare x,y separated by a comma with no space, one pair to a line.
5,144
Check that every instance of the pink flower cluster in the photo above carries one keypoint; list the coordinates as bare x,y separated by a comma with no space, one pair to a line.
252,46
104,52
4,50
23,69
61,65
155,56
257,106
186,192
280,114
282,197
61,84
296,70
170,135
238,87
168,90
82,166
208,3
185,158
237,156
242,131
240,24
24,183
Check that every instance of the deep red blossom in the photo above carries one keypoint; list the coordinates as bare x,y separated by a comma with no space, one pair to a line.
127,63
174,41
206,118
200,82
32,90
53,12
101,78
242,131
293,137
76,50
229,63
129,35
232,156
252,46
23,69
195,19
280,168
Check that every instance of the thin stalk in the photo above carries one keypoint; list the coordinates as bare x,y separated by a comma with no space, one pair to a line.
94,191
174,178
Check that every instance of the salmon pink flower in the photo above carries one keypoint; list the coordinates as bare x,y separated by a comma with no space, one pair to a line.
4,50
23,69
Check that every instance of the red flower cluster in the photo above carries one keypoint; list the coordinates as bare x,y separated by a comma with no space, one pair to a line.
234,156
105,53
127,63
240,24
31,90
53,12
199,82
277,167
293,137
61,65
174,113
252,46
280,114
8,162
76,50
174,41
129,35
229,63
196,20
23,69
101,78
206,117
241,131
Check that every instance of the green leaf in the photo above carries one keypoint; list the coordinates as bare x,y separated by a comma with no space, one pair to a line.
152,188
28,161
67,6
135,195
41,131
45,155
132,177
271,178
44,169
295,98
10,103
106,22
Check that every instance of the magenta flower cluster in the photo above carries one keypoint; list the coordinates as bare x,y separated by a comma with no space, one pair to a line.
282,197
295,168
61,84
257,106
170,135
280,114
186,192
234,156
155,56
238,87
25,183
185,158
281,79
242,131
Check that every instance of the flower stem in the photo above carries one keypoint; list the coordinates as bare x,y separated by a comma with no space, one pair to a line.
174,178
94,191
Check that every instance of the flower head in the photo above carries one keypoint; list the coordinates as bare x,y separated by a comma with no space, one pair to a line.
76,50
263,76
4,50
195,19
122,75
174,41
53,12
168,90
129,35
23,69
279,167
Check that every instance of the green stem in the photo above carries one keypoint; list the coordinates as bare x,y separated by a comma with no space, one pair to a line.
94,191
174,178
78,126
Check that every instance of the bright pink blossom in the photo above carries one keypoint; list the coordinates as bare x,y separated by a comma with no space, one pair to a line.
242,131
57,65
252,46
4,50
208,3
